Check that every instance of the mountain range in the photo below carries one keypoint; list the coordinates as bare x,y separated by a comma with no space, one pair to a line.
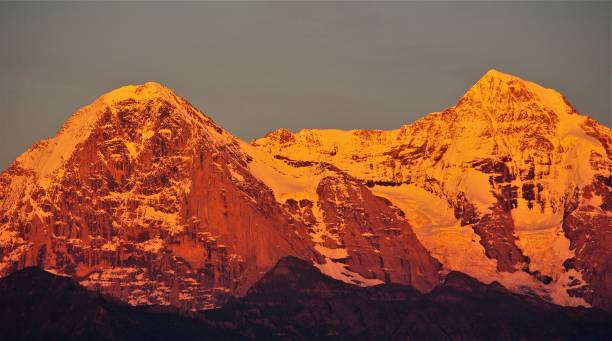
142,197
295,301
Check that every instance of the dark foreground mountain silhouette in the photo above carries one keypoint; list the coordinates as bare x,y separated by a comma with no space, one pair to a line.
295,301
37,305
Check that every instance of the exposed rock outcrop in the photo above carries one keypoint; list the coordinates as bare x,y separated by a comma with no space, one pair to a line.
143,197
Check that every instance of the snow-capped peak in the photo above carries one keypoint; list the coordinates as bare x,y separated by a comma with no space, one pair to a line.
500,92
494,73
140,178
147,90
47,157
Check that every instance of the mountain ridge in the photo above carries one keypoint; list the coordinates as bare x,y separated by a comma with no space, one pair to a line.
140,188
294,300
502,165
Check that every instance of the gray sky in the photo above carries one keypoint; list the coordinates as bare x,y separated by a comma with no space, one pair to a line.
254,67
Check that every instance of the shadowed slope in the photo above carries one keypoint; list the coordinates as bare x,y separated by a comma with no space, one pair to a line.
294,300
37,305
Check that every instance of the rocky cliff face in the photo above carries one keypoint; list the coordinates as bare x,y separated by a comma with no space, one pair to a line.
143,197
510,184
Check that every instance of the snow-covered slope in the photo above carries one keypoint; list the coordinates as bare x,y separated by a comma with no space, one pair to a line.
138,196
143,197
491,185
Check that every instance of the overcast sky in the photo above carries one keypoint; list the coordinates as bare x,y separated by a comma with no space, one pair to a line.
254,67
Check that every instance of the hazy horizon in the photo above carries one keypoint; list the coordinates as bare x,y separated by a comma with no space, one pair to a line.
255,67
